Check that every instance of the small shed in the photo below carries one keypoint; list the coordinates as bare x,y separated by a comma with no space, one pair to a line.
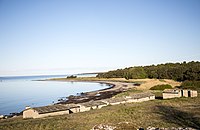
172,93
51,110
140,97
115,101
188,93
87,106
73,108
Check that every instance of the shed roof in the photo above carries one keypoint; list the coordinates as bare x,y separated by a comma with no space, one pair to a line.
92,103
175,91
141,95
114,100
51,108
71,106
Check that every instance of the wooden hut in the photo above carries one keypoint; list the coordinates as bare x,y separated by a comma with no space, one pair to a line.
52,110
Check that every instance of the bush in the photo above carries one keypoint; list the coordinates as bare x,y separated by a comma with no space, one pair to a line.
190,85
134,73
161,87
71,77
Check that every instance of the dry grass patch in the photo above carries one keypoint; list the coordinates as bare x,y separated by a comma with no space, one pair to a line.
178,112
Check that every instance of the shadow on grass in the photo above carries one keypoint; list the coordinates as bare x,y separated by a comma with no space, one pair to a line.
181,118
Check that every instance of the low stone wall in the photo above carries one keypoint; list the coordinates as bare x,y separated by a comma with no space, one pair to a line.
194,94
100,106
34,114
75,110
171,95
53,114
180,93
30,113
140,99
83,108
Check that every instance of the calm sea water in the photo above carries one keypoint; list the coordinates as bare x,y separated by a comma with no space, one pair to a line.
18,92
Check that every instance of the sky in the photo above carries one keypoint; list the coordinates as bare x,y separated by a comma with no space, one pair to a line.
39,37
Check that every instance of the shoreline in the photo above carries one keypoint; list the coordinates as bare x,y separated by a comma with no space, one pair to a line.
61,101
81,97
119,85
115,88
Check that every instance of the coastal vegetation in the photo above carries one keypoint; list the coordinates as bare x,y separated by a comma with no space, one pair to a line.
71,77
190,85
178,112
176,71
161,87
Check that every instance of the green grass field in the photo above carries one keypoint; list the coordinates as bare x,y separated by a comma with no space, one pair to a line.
178,112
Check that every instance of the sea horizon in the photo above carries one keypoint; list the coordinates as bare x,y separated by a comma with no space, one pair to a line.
9,76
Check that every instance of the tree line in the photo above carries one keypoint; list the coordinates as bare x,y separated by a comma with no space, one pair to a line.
176,71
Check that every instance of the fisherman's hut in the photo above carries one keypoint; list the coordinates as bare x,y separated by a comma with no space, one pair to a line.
87,106
114,101
140,97
52,110
172,93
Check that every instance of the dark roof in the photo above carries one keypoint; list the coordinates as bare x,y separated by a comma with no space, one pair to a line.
175,91
92,103
71,106
134,96
141,95
115,100
51,108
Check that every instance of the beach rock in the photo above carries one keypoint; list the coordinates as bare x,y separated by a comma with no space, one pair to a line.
103,127
172,128
1,116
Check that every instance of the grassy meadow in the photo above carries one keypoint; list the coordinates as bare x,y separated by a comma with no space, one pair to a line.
178,112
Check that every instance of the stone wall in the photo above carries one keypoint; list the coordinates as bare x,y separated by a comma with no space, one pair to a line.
75,110
171,95
181,93
31,113
53,114
193,93
83,108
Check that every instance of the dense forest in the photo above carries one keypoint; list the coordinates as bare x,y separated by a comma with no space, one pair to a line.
176,71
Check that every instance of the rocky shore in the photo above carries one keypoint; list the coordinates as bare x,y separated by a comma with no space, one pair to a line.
114,89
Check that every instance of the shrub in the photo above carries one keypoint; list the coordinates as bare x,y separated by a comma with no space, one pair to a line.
190,85
161,87
71,76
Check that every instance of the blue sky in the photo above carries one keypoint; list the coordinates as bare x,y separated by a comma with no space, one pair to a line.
72,36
